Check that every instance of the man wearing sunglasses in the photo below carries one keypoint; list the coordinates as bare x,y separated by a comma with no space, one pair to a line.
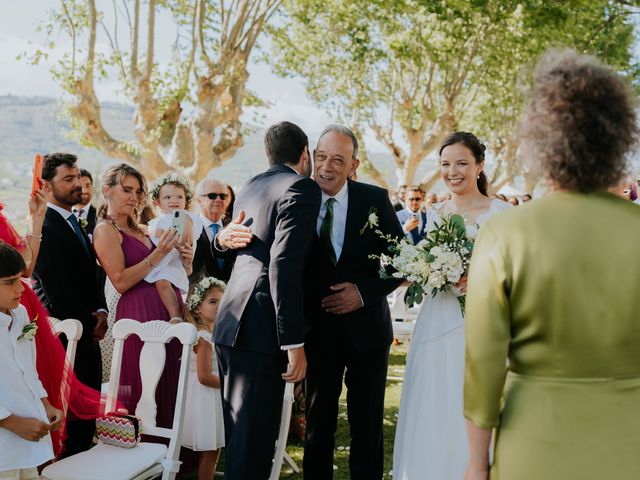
210,196
412,218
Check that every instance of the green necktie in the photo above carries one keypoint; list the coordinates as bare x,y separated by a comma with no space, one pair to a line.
325,230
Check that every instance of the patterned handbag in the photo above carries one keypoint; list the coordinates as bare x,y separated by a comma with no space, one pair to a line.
119,430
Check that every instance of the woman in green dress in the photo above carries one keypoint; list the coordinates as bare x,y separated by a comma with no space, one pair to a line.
553,334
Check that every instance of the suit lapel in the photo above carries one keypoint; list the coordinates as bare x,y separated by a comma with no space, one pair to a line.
354,217
60,224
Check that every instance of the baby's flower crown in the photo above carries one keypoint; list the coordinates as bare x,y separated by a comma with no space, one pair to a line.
172,178
201,289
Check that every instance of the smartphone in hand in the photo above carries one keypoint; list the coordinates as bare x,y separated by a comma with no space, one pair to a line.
177,223
36,182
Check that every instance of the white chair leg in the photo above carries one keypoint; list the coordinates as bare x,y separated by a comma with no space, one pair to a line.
291,462
284,432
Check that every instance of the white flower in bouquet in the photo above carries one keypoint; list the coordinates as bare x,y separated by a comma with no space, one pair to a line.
435,264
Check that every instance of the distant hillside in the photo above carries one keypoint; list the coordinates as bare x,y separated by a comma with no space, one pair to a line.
33,124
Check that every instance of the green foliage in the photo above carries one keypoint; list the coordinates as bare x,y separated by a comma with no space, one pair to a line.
409,65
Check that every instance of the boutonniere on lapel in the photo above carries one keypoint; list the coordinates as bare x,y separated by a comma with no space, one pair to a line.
372,220
83,224
29,330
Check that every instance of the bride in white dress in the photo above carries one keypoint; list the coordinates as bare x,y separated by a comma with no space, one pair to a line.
431,438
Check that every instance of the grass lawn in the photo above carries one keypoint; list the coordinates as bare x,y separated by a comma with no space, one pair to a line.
341,459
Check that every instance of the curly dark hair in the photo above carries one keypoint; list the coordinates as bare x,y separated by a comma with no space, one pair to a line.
580,124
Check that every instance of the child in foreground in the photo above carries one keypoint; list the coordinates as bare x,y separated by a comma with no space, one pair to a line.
26,416
203,429
171,193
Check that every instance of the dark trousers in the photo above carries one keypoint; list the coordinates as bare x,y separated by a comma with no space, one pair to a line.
88,369
252,396
365,379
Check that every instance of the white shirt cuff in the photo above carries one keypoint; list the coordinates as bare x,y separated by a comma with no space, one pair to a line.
103,310
4,413
360,295
290,347
217,246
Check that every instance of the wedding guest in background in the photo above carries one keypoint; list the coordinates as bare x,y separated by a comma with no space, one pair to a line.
211,196
447,196
431,200
172,195
128,255
26,416
86,212
552,327
65,280
203,429
502,197
526,198
514,201
228,206
400,193
412,218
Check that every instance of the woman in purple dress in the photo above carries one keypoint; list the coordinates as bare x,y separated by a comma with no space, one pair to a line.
127,256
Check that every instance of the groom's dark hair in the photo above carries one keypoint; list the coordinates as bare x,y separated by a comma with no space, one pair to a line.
284,143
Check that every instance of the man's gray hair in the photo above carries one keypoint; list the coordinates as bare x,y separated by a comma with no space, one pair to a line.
342,130
203,182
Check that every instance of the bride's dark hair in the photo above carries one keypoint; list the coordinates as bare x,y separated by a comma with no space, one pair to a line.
476,147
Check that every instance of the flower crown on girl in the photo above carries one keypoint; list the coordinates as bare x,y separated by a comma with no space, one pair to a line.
200,290
172,178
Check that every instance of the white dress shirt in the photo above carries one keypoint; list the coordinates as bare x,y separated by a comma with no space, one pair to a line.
340,207
20,394
66,214
206,222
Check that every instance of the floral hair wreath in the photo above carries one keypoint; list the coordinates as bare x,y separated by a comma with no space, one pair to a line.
200,290
172,178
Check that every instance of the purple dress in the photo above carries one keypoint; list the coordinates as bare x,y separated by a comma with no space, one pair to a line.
142,303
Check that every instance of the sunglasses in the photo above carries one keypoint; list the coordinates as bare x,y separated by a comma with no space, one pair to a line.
213,196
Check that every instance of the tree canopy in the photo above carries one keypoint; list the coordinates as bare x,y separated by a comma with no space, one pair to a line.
206,76
413,71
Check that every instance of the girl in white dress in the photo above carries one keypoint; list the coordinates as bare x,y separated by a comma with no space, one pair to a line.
203,429
431,438
172,192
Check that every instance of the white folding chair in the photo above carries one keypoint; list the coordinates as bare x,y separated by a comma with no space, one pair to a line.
401,330
146,460
72,330
281,443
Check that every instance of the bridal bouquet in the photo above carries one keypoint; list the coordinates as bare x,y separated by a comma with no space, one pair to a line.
435,264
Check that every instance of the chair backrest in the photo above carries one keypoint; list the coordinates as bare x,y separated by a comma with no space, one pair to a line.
398,308
72,330
155,334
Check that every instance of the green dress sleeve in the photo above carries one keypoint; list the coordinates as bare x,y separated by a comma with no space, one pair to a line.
487,328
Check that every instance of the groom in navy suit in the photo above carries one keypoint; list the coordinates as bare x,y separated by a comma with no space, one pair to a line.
412,218
259,332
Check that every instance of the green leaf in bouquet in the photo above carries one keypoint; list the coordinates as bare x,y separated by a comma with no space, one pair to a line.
414,295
